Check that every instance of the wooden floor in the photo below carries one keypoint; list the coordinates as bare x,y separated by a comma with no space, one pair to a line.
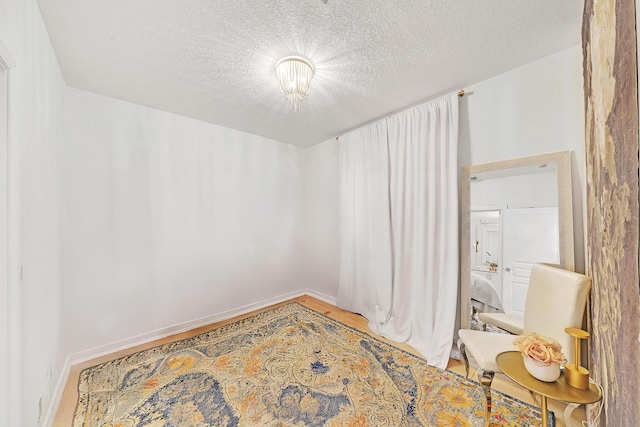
64,416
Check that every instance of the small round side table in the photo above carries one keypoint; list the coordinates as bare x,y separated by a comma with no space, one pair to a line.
511,364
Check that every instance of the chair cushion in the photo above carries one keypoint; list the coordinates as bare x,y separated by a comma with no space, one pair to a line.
483,347
506,321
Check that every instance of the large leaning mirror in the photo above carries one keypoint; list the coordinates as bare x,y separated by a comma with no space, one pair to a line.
515,213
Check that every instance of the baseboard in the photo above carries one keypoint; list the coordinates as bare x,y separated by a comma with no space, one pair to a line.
322,297
103,350
147,337
56,397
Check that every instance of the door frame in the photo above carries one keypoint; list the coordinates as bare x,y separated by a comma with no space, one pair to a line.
10,267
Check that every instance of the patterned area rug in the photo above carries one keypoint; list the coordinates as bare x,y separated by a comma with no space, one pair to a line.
287,366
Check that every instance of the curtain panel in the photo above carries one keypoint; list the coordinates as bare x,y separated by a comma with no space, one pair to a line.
365,225
399,226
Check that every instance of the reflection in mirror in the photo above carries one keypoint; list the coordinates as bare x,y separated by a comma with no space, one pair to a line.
516,213
486,262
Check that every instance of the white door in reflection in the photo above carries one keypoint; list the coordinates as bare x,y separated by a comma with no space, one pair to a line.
531,235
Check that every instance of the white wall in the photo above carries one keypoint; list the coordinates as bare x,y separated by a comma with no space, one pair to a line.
168,219
537,108
35,117
541,191
321,239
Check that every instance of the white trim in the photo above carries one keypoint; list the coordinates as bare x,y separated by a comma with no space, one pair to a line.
58,391
10,356
6,60
147,337
318,295
5,324
92,353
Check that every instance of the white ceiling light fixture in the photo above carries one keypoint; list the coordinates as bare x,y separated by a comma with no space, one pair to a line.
294,78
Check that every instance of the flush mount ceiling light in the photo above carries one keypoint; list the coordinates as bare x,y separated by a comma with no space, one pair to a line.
294,77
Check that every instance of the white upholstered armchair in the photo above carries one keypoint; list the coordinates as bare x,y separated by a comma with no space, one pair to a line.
556,299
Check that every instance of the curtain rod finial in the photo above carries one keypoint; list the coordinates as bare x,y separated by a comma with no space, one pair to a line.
461,93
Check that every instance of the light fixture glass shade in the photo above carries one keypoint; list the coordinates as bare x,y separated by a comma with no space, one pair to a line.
294,78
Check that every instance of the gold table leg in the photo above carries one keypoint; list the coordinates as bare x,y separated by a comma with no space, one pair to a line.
543,407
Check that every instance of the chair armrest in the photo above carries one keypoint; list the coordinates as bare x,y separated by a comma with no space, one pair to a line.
509,322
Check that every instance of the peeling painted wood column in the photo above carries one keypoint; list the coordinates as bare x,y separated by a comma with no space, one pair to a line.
611,102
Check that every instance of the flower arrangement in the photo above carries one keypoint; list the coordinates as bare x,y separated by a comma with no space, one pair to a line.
544,350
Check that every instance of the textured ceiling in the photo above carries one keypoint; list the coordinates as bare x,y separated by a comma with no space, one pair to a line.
214,60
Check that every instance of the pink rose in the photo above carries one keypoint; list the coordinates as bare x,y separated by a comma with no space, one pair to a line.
539,352
541,349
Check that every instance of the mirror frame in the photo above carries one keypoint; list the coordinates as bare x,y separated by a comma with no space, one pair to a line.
562,160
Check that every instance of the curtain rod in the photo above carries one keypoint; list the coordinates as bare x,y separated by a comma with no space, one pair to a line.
460,95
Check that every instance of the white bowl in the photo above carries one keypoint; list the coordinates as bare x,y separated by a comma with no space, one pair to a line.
546,373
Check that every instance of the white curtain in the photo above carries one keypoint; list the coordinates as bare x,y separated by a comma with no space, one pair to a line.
365,225
399,225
